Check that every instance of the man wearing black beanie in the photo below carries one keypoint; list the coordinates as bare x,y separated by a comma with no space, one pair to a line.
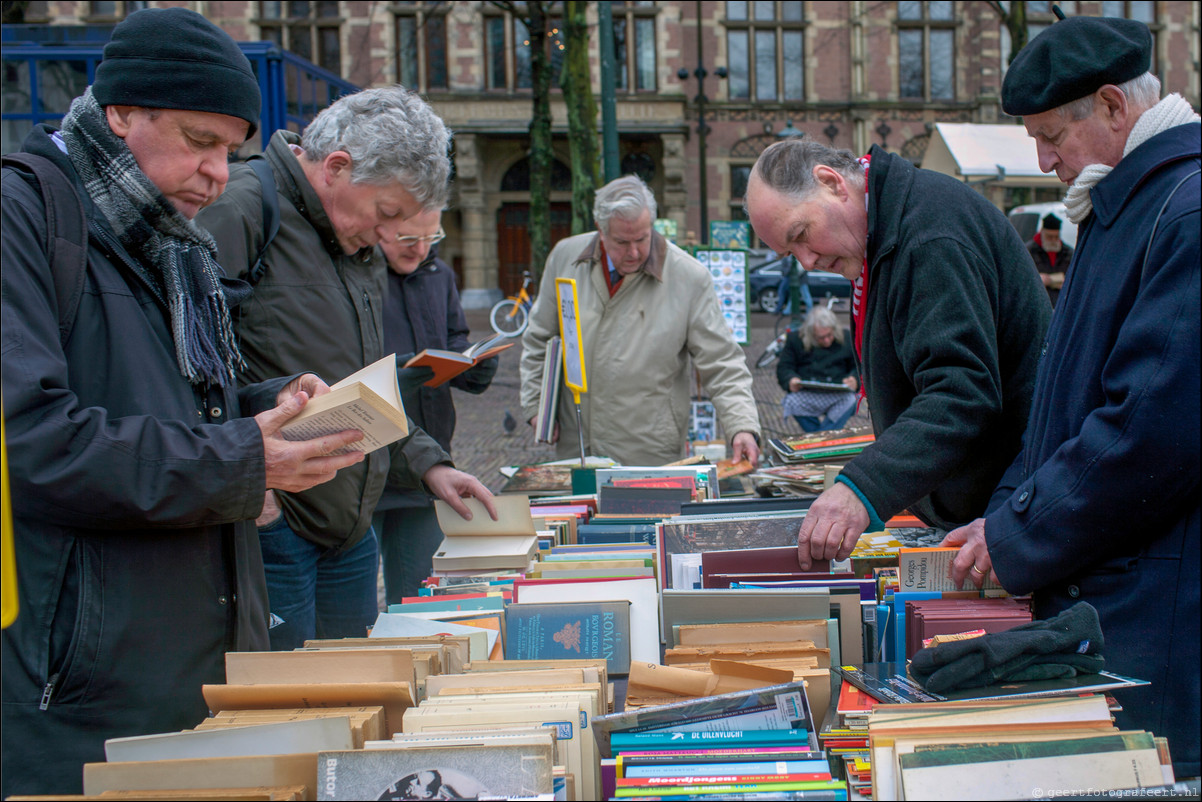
1102,504
135,480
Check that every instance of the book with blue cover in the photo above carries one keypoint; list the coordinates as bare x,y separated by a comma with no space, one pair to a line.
570,630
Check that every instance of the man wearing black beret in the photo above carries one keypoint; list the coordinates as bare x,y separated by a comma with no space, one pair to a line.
135,477
1102,504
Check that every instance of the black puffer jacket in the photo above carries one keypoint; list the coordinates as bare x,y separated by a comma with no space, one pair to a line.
955,319
137,566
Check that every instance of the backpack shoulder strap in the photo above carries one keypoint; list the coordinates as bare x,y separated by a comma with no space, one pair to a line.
66,234
271,215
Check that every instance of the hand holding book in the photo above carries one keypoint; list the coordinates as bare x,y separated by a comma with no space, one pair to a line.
296,465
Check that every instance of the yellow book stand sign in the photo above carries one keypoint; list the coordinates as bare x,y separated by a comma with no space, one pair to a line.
9,577
573,349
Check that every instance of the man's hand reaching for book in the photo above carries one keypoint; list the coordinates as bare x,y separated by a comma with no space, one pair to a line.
296,465
451,485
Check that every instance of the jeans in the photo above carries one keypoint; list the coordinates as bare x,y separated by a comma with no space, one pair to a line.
785,301
836,417
315,592
409,536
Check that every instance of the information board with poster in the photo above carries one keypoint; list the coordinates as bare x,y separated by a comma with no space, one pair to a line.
730,234
728,268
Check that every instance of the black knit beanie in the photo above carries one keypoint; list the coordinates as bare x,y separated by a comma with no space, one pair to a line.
173,58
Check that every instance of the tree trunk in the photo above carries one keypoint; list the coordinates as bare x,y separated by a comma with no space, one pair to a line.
576,82
541,154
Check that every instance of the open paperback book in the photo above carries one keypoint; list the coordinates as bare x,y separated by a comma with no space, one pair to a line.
368,400
449,364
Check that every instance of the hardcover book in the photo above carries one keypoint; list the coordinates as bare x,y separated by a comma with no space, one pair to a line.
441,772
537,631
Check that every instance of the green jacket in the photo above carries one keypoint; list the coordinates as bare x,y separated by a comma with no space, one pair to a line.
316,309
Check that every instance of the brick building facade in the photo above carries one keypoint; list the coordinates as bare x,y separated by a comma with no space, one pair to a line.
851,73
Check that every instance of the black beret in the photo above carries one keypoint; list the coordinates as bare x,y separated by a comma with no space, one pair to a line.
1051,223
173,58
1074,58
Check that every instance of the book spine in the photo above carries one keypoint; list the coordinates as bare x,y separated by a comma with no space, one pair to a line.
692,779
732,788
619,740
731,767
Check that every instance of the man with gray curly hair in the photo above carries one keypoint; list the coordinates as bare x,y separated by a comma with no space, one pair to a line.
647,309
364,165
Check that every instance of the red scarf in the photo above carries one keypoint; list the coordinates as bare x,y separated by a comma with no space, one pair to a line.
859,289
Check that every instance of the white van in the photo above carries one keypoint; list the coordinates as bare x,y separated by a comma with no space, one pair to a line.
1026,220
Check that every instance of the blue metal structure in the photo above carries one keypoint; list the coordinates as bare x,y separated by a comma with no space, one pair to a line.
45,67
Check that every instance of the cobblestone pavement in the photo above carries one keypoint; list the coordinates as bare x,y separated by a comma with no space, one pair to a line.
482,446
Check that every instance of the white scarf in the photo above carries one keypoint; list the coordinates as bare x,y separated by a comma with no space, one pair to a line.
1168,113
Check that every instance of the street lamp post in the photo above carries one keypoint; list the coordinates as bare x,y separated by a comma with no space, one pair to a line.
702,129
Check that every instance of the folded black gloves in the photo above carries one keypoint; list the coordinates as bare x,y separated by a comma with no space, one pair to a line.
1063,646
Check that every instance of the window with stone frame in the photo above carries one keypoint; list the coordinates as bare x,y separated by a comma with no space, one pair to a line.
765,49
110,10
1141,10
634,45
926,48
311,30
507,51
1040,16
421,44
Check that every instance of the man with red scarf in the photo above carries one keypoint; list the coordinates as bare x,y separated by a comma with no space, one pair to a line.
1051,255
948,315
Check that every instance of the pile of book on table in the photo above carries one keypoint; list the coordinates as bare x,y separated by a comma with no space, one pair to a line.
831,447
752,744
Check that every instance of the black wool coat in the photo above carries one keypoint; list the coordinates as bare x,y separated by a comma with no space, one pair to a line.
955,318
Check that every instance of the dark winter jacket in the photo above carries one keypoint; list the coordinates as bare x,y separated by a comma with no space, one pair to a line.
422,310
316,309
833,364
137,566
955,318
1102,505
1043,262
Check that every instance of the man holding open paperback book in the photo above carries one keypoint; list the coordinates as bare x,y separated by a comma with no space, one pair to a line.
362,166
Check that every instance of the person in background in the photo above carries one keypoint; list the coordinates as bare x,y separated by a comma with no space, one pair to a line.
648,311
421,310
784,298
948,315
820,352
135,479
1051,255
1102,504
362,166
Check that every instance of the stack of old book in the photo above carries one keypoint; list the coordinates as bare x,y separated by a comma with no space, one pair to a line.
833,447
844,736
482,545
759,741
1009,749
499,696
275,714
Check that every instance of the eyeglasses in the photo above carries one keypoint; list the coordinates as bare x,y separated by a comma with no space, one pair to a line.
431,239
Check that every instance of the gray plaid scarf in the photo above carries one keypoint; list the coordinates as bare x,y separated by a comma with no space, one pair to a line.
170,253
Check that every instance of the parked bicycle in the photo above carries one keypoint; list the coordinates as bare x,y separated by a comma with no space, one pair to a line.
511,316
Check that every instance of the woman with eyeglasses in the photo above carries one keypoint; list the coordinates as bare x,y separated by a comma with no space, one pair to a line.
421,310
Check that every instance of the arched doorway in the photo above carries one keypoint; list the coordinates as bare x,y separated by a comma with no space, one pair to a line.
513,222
